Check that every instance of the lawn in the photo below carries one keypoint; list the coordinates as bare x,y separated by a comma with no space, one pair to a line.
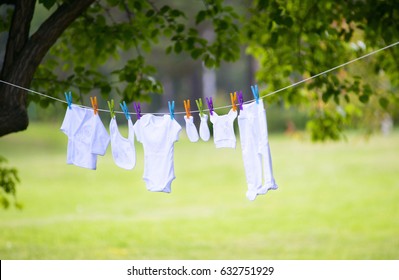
335,201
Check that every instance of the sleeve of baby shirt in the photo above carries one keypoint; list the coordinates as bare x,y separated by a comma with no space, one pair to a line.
232,115
175,130
100,137
137,130
66,124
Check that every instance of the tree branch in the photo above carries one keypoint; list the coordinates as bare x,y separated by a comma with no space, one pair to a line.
19,32
13,115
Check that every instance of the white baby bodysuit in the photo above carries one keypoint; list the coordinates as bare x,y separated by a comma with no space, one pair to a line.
158,135
87,136
204,128
123,150
191,130
223,129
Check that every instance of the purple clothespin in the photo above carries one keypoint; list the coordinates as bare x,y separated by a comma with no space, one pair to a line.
137,108
240,100
209,101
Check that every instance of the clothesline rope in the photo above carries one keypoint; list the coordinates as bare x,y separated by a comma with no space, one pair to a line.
222,107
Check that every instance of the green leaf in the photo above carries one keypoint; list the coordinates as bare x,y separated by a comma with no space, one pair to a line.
150,13
196,53
48,4
178,47
209,61
364,98
200,17
164,9
383,102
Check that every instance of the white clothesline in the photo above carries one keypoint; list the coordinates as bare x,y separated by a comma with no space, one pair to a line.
222,107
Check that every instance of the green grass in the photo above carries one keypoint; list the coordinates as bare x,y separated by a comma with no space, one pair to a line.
335,201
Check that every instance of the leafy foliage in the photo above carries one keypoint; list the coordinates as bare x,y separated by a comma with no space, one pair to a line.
8,181
294,40
119,34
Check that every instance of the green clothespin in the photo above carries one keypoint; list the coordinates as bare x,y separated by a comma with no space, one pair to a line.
111,108
199,105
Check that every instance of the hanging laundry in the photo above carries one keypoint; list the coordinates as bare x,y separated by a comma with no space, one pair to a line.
223,129
191,130
87,136
123,150
158,135
204,128
252,125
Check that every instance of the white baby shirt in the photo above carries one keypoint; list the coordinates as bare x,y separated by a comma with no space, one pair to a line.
87,136
123,150
223,129
158,135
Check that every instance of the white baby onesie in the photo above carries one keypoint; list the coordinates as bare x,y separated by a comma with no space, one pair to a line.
252,124
223,129
204,129
123,150
158,135
87,136
191,130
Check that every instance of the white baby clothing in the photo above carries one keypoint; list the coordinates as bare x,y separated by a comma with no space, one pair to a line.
204,128
123,150
191,130
158,135
87,136
252,124
223,129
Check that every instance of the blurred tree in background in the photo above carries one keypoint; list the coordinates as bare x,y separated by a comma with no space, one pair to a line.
293,40
115,47
136,49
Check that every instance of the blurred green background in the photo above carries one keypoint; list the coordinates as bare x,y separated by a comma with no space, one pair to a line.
335,201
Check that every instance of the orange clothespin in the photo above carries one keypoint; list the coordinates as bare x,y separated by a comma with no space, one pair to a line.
233,98
94,104
187,107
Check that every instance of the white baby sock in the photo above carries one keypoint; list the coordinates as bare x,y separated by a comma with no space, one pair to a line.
191,130
204,129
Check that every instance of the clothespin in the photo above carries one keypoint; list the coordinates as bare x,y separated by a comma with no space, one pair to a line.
255,92
111,105
240,100
233,98
172,109
94,104
199,105
137,108
68,97
210,104
187,107
125,110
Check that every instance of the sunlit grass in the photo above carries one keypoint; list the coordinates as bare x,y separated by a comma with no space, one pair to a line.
335,201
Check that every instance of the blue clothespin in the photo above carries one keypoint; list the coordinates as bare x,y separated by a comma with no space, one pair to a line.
255,92
68,97
240,100
125,110
137,108
172,109
209,101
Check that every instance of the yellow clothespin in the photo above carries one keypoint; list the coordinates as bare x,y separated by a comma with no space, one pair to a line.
187,107
233,98
94,104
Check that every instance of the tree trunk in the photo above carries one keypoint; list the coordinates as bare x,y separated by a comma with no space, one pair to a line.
24,55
